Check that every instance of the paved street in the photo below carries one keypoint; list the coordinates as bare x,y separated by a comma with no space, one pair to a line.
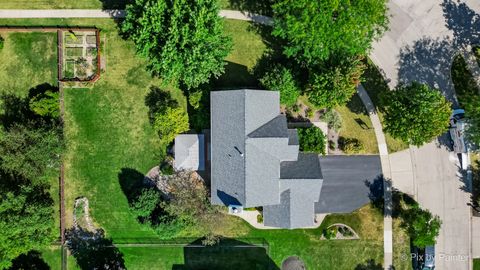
423,38
439,188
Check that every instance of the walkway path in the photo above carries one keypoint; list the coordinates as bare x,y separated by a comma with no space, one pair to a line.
387,174
113,13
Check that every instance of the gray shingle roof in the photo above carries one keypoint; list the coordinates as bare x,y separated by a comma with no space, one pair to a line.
255,161
189,152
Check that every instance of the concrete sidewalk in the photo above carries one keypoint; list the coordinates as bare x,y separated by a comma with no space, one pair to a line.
387,175
114,13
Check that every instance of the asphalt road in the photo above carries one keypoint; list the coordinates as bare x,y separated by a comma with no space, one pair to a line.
439,187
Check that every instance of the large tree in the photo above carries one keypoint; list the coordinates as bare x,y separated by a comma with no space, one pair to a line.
316,30
26,216
30,151
183,40
416,113
422,227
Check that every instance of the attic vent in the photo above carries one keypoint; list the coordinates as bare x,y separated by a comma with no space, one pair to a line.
238,150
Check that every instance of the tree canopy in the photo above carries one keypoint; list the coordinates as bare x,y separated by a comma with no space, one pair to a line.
182,40
312,139
25,221
422,226
29,151
416,114
316,30
281,79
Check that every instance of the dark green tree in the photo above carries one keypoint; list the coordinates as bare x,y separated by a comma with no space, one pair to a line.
183,40
145,203
46,104
422,227
29,151
311,139
316,30
26,216
416,114
281,79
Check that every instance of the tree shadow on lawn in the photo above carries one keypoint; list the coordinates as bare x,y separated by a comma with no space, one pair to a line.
32,260
157,101
235,76
261,7
131,181
93,251
369,265
227,254
16,109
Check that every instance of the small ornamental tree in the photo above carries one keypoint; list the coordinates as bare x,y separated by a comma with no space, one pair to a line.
46,104
422,227
281,79
182,40
316,30
171,123
416,114
146,202
335,83
311,139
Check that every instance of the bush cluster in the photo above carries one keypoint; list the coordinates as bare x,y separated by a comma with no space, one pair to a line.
312,139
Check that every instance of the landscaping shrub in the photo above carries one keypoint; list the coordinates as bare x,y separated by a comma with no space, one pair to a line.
46,104
350,145
421,225
199,110
330,233
312,139
166,169
281,79
333,119
259,218
145,203
1,42
171,123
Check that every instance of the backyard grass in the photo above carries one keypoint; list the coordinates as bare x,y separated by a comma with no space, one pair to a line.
248,47
53,257
109,138
61,4
375,84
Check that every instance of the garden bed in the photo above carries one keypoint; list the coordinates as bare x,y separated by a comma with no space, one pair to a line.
81,48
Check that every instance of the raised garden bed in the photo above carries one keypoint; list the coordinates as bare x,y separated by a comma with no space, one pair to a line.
339,231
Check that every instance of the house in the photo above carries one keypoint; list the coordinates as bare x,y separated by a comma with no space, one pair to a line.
255,161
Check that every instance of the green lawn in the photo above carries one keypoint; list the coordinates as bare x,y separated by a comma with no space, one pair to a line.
110,140
375,84
61,4
476,264
53,257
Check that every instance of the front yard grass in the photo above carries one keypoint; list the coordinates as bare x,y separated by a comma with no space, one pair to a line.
109,136
401,247
476,264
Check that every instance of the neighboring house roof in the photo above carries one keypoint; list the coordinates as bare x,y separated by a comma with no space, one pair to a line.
189,152
250,144
346,182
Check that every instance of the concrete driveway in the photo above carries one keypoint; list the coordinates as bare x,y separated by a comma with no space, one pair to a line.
423,38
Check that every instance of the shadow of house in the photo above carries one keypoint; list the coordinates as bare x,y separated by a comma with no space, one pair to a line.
32,260
463,21
227,254
93,251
